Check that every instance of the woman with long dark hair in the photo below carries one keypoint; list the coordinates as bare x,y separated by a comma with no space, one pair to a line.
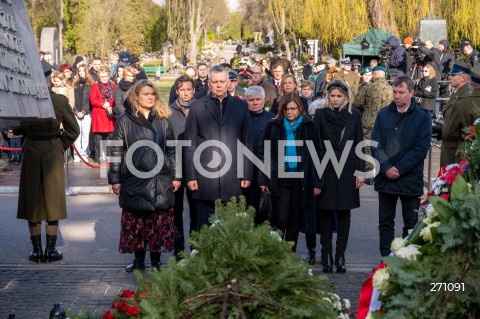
293,198
82,84
146,198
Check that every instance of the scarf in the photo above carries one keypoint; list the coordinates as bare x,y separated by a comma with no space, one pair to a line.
125,85
107,90
337,121
291,149
184,106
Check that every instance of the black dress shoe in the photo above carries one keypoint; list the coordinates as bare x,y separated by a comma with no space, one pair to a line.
341,269
136,264
327,263
310,257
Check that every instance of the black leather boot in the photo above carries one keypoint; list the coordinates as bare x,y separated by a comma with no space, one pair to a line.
310,256
37,253
327,263
155,260
341,269
51,254
137,263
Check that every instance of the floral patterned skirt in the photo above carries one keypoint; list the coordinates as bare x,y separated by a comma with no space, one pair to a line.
152,232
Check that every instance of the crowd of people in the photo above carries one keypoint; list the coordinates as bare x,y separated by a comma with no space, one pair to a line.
324,133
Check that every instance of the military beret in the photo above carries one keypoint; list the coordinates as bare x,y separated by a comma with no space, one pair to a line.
379,68
47,68
366,69
233,76
460,67
475,74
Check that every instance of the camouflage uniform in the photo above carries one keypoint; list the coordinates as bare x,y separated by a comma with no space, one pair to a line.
351,78
370,99
459,112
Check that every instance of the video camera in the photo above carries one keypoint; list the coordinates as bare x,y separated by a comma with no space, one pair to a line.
458,53
384,53
417,55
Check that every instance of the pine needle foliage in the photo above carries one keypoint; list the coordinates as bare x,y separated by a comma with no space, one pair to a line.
452,258
236,271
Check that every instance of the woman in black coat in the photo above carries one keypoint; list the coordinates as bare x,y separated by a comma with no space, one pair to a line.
427,89
340,126
125,83
293,197
142,179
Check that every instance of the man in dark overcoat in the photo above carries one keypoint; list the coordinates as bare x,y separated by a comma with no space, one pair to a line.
216,118
42,187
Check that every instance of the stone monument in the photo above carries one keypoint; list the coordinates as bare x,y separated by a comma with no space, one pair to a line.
433,28
50,42
23,89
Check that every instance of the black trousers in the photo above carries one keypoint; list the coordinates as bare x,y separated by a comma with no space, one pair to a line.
326,225
288,209
98,137
205,209
387,204
179,236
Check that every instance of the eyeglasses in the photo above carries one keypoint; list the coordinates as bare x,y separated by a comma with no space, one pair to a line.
291,109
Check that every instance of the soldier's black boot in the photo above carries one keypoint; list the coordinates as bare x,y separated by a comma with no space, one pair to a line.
310,256
51,253
155,260
138,262
340,263
37,254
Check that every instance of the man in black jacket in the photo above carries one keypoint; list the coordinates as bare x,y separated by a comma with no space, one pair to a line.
308,68
471,55
447,58
432,56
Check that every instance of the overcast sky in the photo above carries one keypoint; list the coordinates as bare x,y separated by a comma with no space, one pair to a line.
233,4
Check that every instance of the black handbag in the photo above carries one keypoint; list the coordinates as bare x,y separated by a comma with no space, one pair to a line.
265,206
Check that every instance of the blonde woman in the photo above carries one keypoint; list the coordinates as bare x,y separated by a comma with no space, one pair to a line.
146,201
339,124
288,85
60,86
427,88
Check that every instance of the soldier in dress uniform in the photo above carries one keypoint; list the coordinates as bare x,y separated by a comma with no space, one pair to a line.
42,189
457,113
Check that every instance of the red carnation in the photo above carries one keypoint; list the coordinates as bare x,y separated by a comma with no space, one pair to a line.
472,128
444,196
128,294
452,174
122,306
114,304
470,137
108,315
132,311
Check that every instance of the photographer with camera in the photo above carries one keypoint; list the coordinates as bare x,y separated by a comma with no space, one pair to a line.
407,44
457,113
397,61
430,54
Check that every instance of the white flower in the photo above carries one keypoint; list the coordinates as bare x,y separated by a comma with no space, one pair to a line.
215,223
409,252
431,212
310,272
369,315
244,214
380,279
347,303
342,316
327,299
398,243
193,252
337,305
182,262
336,297
275,235
437,191
477,121
426,232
